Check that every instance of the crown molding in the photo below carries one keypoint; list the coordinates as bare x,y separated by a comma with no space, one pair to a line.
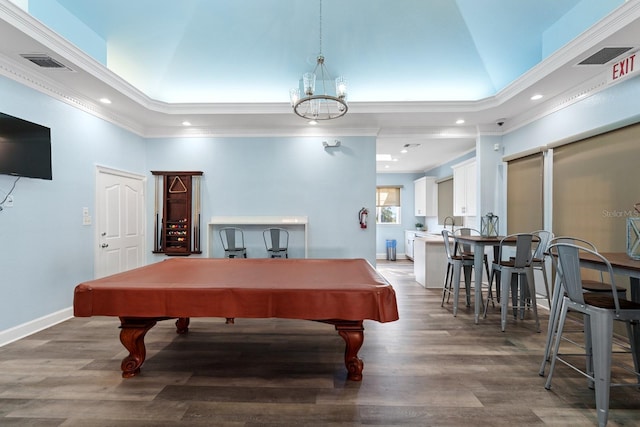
230,132
21,74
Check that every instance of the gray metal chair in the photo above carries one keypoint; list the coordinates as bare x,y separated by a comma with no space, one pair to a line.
540,258
276,240
455,264
466,250
600,311
233,242
588,285
516,272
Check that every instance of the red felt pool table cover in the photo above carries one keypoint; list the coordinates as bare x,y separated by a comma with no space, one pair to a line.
312,289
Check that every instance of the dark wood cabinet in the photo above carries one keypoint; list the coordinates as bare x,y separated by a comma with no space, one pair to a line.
177,213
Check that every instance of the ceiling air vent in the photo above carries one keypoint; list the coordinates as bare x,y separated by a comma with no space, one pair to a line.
44,61
604,55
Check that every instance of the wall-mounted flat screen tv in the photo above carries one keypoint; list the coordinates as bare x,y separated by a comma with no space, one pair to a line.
25,148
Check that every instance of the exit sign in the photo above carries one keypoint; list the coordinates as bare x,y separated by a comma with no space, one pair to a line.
623,68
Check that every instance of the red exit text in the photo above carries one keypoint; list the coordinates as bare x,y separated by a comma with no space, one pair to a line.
624,67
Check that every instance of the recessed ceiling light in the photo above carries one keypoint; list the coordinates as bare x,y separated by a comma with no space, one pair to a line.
386,166
313,122
105,100
186,123
459,121
404,150
536,97
383,157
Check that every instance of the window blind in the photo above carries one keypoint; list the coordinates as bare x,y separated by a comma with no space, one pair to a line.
387,196
595,185
524,194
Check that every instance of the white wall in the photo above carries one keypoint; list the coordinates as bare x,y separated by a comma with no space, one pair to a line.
281,177
44,248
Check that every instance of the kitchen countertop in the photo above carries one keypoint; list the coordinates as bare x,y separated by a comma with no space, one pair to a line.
427,237
430,239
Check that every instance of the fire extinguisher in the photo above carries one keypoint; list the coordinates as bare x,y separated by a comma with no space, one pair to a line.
362,217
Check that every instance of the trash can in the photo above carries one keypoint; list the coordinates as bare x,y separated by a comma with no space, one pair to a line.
391,250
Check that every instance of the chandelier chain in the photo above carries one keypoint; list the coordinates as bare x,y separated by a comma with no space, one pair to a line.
320,27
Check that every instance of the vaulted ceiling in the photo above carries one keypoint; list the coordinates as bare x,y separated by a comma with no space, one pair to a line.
255,50
413,66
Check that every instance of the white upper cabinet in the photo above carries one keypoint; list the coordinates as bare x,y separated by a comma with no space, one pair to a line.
426,196
420,196
464,188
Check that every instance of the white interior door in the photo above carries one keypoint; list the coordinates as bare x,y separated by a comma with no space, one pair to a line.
119,221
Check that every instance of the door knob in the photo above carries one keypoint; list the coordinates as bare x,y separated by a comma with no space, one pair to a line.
104,245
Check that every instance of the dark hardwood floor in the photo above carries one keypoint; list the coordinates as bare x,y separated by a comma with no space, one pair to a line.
427,369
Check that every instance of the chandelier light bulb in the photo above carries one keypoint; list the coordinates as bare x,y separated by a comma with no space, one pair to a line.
341,87
309,82
294,96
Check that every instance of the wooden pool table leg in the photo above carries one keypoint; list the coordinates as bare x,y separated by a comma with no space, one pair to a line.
182,325
132,335
353,334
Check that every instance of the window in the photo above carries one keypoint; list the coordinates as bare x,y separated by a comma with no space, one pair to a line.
388,205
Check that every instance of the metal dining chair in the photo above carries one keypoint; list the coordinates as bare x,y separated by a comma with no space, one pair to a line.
465,248
515,273
455,264
588,285
540,259
233,242
276,241
600,311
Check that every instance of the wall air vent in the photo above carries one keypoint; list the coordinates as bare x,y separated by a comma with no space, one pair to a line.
604,55
44,61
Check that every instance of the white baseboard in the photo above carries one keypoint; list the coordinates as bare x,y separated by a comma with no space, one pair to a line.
17,332
398,256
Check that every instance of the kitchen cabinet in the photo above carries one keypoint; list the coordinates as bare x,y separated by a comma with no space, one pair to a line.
464,188
425,196
410,236
420,196
430,260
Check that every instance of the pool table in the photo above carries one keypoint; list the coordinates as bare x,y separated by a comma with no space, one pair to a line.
341,292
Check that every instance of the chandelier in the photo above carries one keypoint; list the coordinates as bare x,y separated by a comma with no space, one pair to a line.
321,104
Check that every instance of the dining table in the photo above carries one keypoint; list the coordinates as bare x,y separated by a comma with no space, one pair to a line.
622,264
